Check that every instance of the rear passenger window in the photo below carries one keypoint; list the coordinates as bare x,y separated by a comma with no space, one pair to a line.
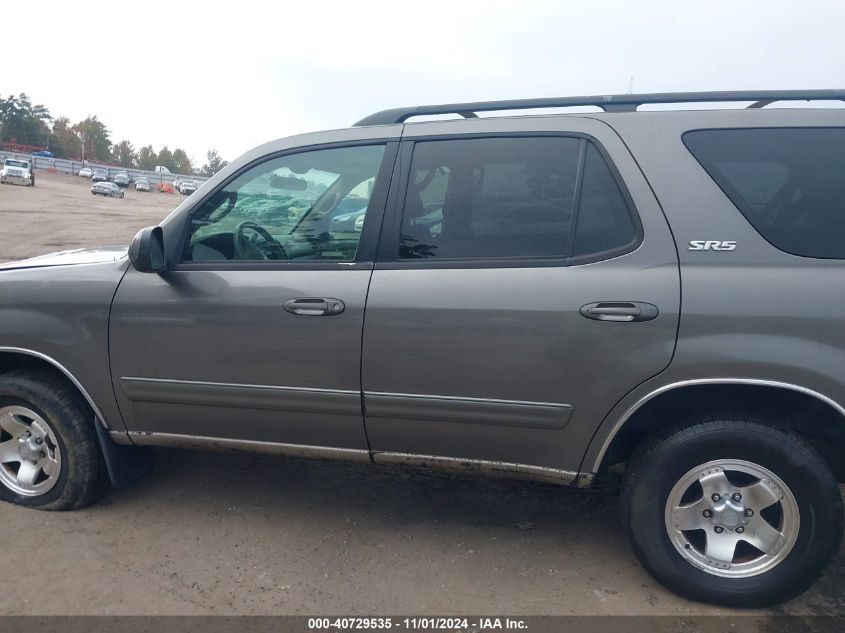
512,197
789,183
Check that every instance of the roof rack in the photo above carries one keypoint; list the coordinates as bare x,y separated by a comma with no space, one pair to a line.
608,103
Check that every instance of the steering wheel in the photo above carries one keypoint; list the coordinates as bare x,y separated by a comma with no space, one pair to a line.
265,248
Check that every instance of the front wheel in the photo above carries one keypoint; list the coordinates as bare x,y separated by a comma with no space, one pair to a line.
732,512
49,455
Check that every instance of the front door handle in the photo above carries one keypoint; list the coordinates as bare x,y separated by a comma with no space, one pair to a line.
620,311
314,306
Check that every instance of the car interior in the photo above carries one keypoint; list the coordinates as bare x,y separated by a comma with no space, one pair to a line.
283,209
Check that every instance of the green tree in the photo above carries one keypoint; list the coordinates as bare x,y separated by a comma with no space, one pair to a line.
95,136
64,142
215,163
124,154
182,162
22,122
147,158
165,158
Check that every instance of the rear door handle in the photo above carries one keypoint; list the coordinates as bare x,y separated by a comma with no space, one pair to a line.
314,306
620,311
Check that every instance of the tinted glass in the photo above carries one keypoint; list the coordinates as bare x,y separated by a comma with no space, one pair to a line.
300,207
788,183
511,197
495,197
605,224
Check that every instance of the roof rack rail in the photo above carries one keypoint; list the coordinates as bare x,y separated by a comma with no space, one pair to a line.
608,103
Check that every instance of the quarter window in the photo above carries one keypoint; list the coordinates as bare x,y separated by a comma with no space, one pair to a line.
300,207
511,198
787,182
604,224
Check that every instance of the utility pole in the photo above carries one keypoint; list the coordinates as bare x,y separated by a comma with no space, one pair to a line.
82,137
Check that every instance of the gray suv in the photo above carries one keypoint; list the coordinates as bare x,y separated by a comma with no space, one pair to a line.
655,298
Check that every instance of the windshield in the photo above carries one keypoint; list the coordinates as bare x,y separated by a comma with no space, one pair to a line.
16,163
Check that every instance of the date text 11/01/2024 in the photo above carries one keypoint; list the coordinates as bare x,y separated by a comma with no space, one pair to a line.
422,623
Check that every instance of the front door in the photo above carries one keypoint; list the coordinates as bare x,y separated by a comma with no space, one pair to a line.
256,333
527,280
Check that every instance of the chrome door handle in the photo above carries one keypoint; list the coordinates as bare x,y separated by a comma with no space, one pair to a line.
620,311
314,306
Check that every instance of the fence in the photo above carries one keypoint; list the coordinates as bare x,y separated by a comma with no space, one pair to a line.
65,166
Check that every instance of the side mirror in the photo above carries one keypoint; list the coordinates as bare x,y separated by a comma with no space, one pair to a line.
146,251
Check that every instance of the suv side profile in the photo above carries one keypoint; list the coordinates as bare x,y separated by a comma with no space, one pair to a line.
649,297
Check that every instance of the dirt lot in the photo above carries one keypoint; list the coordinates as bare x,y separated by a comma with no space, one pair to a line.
229,534
60,212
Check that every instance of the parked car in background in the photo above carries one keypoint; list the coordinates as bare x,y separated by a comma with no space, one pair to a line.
142,184
86,172
121,179
99,175
105,188
349,221
43,153
187,187
17,171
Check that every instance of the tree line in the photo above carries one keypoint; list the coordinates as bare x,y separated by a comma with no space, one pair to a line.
25,123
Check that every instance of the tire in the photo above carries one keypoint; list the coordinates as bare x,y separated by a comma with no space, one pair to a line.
804,523
76,474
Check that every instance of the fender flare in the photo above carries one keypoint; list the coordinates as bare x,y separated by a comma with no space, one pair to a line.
66,372
617,426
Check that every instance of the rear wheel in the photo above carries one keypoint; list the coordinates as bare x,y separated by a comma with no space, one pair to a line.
49,455
733,512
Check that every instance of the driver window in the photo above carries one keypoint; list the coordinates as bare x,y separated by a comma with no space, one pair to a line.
299,207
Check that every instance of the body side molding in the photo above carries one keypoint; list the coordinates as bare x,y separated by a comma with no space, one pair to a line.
518,413
335,401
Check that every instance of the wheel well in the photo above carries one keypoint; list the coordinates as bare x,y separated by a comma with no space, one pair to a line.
17,360
814,420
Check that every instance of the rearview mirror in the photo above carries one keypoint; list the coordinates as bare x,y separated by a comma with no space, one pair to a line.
146,251
288,182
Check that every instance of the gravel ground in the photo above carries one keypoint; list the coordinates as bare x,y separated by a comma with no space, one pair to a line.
60,212
243,534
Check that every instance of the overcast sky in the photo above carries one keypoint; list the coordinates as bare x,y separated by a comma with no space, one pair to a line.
232,75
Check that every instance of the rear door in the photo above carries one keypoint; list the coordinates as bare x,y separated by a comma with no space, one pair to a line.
526,281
